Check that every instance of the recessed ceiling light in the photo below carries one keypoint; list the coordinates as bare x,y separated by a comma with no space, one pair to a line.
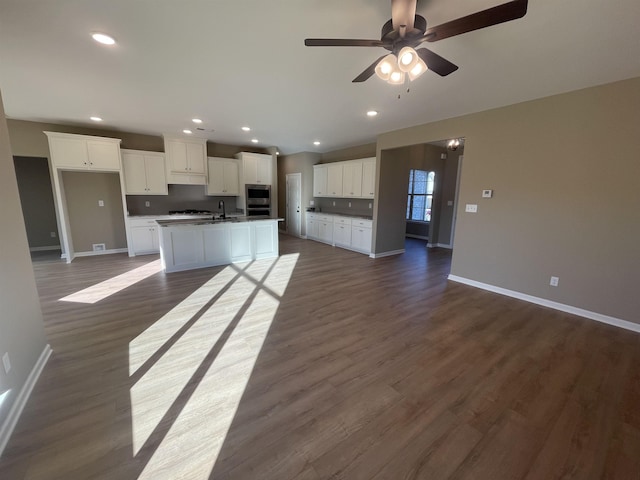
187,131
246,129
316,143
103,38
196,120
372,113
277,153
254,140
96,119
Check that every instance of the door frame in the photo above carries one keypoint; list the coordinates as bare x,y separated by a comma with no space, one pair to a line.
298,176
455,200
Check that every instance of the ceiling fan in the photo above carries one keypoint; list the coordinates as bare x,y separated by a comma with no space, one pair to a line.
406,31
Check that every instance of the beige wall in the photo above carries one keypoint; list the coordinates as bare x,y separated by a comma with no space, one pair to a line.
21,327
36,198
299,163
565,172
89,222
351,153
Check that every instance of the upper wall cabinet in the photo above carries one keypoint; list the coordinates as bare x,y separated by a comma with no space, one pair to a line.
84,152
223,177
320,180
369,177
256,168
186,160
350,179
144,173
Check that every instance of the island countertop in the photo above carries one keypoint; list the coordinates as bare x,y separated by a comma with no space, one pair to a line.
211,221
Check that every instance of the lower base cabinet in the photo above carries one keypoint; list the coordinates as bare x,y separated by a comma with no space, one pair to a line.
340,231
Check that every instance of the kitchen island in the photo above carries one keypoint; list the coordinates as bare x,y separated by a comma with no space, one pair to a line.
198,243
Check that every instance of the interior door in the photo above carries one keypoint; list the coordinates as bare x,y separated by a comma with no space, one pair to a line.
294,215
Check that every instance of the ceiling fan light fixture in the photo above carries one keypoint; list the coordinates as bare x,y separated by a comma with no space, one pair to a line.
407,59
386,66
418,69
396,77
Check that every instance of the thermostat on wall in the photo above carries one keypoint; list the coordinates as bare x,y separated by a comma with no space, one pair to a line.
487,193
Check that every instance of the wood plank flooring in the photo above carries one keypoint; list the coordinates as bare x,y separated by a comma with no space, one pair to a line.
324,364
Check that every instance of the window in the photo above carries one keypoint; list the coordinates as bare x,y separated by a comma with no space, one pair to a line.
420,197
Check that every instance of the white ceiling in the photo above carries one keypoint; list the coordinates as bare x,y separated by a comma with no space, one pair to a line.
243,62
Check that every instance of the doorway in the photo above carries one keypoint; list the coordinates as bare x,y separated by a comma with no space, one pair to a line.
293,201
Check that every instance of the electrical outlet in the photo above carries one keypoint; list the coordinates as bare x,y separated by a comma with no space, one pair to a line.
349,204
471,208
554,281
449,203
147,204
370,205
53,234
334,204
6,362
101,203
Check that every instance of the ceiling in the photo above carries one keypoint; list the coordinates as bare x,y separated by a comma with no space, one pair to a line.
243,62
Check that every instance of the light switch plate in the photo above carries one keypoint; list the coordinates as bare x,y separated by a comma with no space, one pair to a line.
487,193
471,208
101,203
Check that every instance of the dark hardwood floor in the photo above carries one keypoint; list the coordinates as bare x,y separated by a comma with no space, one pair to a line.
322,364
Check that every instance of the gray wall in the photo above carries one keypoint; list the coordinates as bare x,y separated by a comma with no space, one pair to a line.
299,163
21,327
89,222
565,172
36,198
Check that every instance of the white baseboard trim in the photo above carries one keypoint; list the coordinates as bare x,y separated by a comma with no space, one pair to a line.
23,396
598,317
45,248
440,245
386,254
102,252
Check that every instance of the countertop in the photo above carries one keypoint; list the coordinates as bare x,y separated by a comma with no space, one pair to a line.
208,221
349,215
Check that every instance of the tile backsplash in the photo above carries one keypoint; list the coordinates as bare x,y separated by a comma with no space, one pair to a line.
181,197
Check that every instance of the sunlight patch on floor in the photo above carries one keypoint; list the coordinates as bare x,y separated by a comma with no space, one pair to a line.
192,443
113,285
145,345
4,396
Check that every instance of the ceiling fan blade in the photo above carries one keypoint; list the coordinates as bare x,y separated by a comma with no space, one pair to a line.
486,18
403,14
370,70
341,42
436,63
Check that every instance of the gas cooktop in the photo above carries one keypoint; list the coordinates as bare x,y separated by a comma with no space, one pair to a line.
189,212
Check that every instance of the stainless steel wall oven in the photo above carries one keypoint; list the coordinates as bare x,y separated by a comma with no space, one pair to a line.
258,199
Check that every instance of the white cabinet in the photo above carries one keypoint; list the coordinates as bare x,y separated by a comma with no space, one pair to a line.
83,152
144,236
325,228
352,179
223,177
361,235
186,160
256,168
144,173
312,226
369,177
342,231
349,179
334,179
320,180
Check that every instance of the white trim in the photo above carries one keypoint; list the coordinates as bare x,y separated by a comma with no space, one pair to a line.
102,252
18,406
386,254
45,248
598,317
440,245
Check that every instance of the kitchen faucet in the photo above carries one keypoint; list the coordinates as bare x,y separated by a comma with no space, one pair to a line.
221,205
